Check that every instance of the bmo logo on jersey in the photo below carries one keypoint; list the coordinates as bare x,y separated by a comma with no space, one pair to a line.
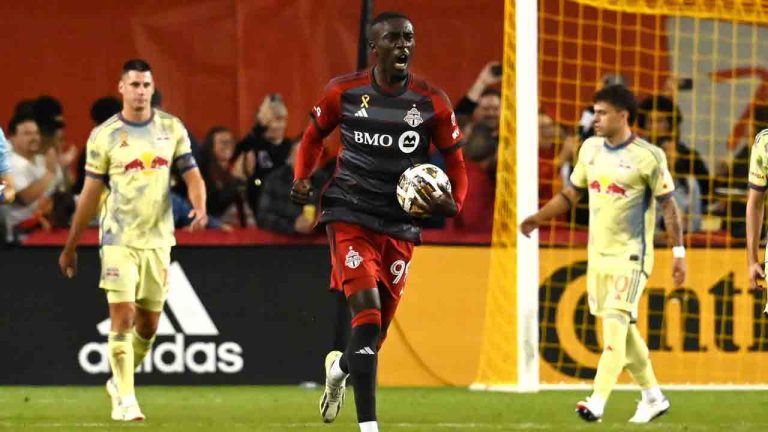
382,140
408,141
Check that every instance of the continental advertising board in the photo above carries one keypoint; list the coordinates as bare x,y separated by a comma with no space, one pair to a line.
712,330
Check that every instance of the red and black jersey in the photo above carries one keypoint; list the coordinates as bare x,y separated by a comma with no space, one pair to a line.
382,135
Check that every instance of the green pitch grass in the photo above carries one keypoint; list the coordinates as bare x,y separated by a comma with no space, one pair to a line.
277,409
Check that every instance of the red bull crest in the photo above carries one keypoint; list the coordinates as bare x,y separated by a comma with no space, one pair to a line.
616,190
134,165
159,162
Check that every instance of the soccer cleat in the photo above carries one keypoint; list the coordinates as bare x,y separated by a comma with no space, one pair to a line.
649,410
114,395
128,413
122,413
589,411
333,396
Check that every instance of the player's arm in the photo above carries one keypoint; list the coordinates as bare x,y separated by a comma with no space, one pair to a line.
446,136
758,184
559,204
755,215
96,171
564,201
662,185
186,165
673,222
197,196
324,117
87,207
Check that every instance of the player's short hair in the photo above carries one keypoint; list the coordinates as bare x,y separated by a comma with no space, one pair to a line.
620,97
17,119
138,65
382,17
660,104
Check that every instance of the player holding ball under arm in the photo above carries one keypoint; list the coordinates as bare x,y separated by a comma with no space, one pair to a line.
387,117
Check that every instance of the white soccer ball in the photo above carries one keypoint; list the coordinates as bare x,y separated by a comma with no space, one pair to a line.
407,186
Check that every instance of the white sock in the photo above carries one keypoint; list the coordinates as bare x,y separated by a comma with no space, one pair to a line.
337,375
128,400
370,426
652,394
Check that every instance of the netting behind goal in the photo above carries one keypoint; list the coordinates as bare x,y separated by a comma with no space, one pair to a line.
700,68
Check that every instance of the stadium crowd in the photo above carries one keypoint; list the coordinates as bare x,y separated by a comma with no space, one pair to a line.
711,197
248,179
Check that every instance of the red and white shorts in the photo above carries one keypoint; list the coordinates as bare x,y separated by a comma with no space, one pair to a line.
364,259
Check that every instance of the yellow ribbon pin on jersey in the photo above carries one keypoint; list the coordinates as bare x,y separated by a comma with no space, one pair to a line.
365,99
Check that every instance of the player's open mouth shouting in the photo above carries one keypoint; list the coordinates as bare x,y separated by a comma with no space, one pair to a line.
401,61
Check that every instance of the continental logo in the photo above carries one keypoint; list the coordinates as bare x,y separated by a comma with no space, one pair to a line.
711,330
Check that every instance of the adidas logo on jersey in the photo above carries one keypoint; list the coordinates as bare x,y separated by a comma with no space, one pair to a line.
366,350
361,113
169,357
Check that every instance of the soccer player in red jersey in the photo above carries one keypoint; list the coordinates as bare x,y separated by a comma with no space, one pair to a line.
387,118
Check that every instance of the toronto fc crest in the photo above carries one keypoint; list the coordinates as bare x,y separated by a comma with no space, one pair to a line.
353,259
413,117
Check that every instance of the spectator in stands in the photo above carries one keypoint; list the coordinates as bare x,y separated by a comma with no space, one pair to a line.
471,104
658,121
731,185
101,110
50,119
7,190
557,153
276,210
49,116
264,149
224,191
34,176
478,114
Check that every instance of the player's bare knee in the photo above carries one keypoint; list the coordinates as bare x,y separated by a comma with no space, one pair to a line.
147,322
363,300
122,316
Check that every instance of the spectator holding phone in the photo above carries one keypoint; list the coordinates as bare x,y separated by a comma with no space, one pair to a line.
476,103
478,114
264,149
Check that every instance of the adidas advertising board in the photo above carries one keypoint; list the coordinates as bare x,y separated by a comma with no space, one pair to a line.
174,356
234,315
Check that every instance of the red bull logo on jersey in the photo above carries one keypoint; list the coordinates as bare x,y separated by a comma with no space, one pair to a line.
147,163
159,162
134,165
615,190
